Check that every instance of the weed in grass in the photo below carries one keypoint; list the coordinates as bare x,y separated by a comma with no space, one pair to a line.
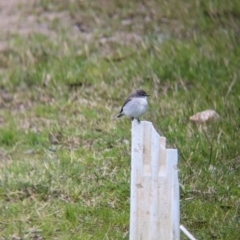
8,137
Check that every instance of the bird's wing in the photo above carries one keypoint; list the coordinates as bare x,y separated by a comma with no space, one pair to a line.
128,100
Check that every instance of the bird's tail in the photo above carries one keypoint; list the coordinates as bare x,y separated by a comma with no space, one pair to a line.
120,115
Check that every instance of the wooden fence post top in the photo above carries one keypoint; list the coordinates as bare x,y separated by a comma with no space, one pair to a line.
154,186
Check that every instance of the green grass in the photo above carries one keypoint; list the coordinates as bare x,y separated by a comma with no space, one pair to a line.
65,163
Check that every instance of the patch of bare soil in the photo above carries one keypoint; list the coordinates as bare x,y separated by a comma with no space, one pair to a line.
25,17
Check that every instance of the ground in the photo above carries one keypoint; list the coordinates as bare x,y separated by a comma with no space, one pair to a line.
66,68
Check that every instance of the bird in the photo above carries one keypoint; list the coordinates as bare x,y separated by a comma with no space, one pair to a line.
135,105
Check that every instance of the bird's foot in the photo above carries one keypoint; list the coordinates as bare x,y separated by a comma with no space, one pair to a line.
132,118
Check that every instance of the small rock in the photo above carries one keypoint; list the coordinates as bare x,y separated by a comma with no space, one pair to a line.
7,97
205,116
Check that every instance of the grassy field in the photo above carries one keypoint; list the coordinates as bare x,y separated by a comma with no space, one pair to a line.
65,163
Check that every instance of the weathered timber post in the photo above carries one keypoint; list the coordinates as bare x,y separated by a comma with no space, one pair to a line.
154,207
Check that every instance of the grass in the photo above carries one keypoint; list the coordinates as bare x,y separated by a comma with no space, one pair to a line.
65,164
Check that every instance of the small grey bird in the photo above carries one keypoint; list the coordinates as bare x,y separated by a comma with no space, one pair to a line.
135,106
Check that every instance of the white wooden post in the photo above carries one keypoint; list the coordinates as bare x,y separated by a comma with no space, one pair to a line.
154,207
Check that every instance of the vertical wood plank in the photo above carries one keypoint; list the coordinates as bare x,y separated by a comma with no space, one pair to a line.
154,210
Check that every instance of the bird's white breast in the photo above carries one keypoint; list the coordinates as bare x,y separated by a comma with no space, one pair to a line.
136,107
